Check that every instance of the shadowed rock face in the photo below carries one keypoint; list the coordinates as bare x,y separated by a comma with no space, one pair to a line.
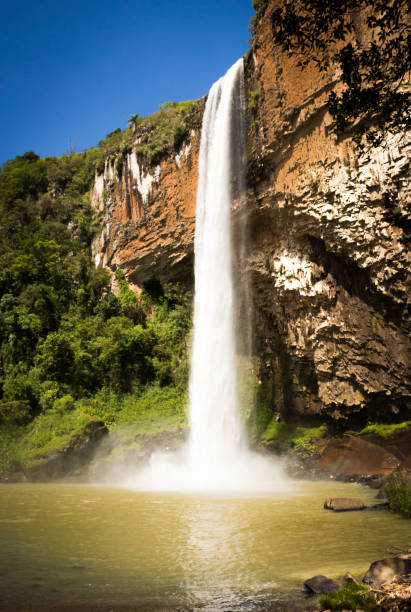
327,259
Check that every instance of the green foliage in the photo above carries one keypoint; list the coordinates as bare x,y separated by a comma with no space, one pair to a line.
260,6
398,490
50,431
165,130
149,411
253,99
351,597
64,336
284,436
372,71
384,430
256,402
131,304
14,412
151,137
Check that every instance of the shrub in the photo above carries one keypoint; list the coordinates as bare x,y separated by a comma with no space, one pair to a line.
398,490
15,412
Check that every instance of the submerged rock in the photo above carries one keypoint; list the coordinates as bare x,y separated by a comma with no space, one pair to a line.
320,585
343,504
385,569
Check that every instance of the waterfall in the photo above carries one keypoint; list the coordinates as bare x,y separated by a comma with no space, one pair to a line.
217,456
215,431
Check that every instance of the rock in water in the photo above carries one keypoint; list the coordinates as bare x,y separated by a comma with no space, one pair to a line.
343,504
386,569
320,585
349,579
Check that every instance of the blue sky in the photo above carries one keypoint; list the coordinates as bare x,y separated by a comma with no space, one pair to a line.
73,71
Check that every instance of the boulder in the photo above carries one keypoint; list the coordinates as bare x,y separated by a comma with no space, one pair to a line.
385,570
343,504
320,585
357,457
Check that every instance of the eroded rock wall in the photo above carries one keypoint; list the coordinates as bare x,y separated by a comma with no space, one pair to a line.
328,256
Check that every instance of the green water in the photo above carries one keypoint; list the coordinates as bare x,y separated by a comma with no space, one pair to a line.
80,547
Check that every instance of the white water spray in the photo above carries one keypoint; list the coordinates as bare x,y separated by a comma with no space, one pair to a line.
217,457
215,432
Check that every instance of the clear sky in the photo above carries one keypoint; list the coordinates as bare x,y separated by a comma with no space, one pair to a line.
74,70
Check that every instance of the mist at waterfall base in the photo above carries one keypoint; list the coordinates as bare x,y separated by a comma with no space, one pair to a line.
216,457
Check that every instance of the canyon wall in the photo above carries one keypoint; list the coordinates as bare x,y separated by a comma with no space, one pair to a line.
327,258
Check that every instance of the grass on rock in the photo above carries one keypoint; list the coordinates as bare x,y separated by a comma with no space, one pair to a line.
350,597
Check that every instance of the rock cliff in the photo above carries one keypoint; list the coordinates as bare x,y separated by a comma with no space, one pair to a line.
327,255
148,212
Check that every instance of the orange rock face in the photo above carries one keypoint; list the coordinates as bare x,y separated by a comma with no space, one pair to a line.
328,258
148,227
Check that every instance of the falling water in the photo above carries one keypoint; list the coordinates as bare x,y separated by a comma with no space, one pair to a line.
217,456
215,434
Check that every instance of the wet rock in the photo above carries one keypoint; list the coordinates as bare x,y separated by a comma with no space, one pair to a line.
375,482
379,506
385,569
320,585
343,504
349,579
357,457
381,494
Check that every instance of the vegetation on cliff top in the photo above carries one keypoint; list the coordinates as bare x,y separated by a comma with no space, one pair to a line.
151,137
64,336
374,69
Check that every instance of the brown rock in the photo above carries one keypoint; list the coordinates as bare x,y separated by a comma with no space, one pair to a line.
343,504
385,570
321,584
329,262
355,456
349,579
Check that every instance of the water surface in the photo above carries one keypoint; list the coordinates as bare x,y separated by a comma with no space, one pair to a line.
80,547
